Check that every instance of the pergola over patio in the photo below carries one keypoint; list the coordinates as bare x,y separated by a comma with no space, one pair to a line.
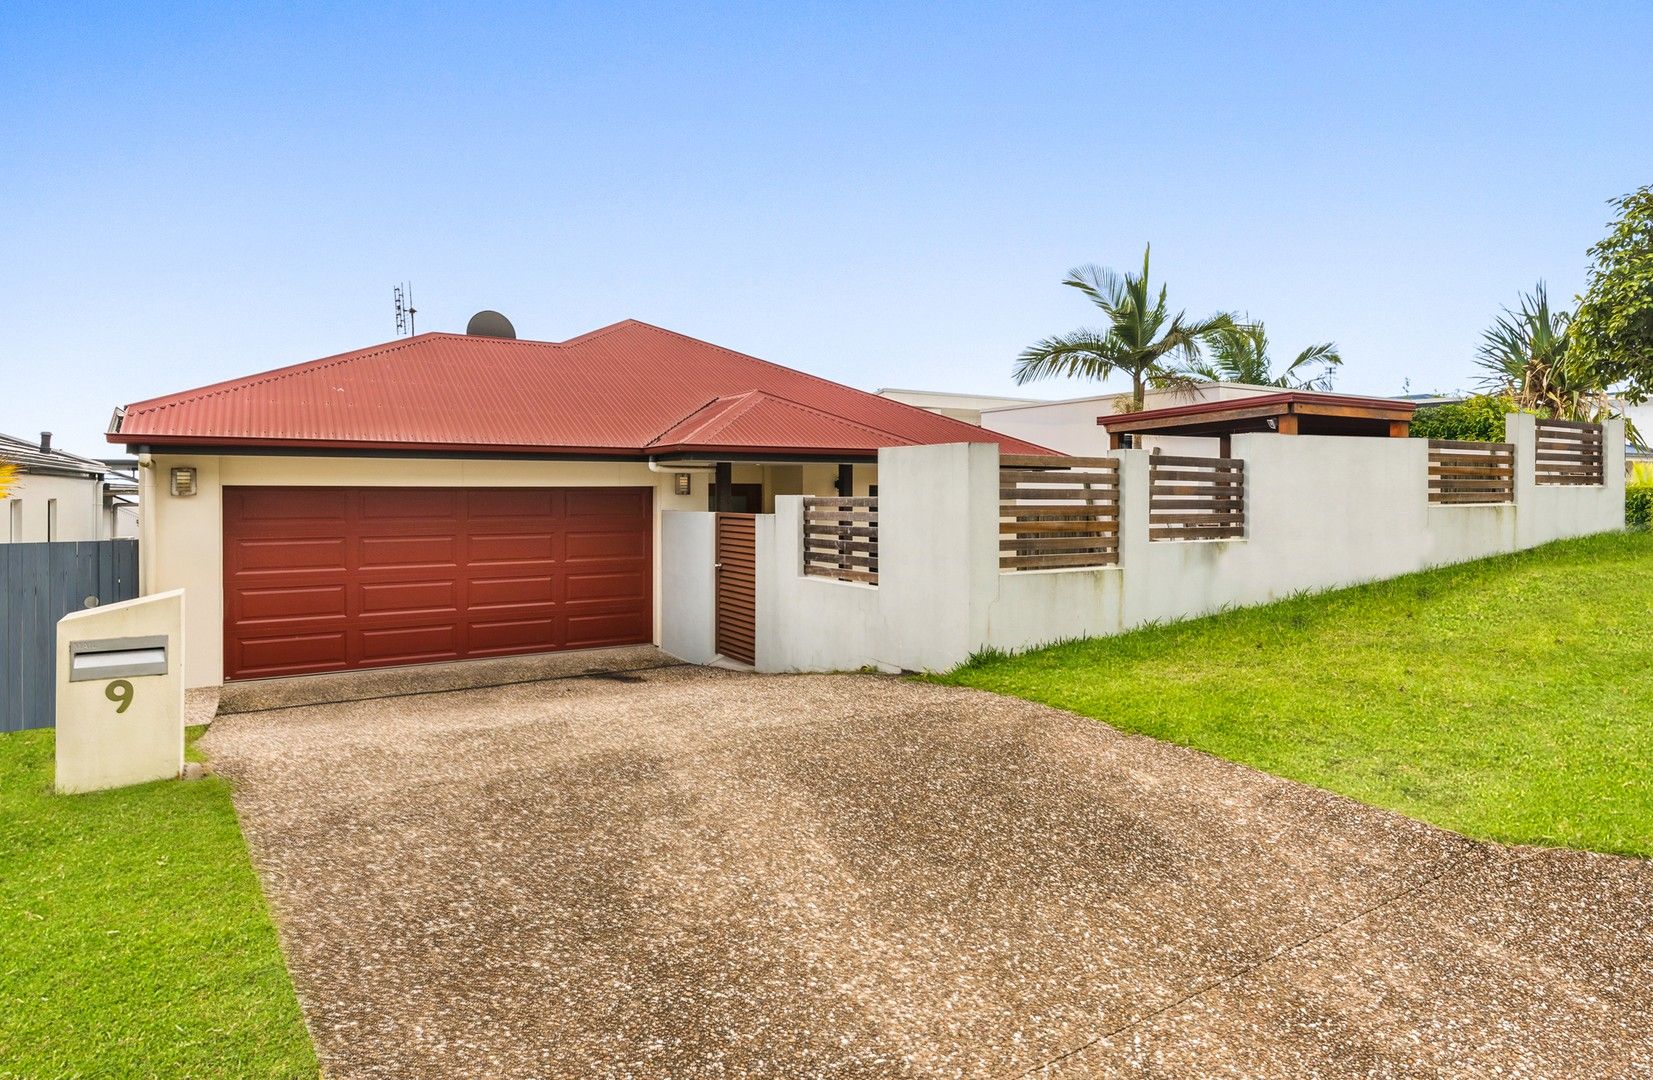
1290,412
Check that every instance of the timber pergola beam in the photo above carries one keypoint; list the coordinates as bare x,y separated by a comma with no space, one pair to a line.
1291,412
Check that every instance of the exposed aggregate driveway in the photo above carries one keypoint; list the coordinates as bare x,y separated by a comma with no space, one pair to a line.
686,873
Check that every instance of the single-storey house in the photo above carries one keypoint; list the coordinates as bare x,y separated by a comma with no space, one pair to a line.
448,496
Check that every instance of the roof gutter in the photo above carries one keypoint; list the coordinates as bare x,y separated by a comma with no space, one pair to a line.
654,467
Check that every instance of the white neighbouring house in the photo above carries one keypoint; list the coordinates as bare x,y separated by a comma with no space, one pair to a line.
63,496
1072,425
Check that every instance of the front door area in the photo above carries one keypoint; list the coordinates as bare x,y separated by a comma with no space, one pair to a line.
330,579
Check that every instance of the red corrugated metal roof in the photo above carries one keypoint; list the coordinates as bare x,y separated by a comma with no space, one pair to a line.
630,388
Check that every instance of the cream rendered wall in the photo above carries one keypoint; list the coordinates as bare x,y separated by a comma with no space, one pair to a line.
98,747
1321,512
181,545
79,508
688,554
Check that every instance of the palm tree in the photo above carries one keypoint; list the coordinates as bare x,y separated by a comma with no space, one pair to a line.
1142,340
1240,354
1525,357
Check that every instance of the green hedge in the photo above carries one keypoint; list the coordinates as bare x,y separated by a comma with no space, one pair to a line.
1638,506
1476,419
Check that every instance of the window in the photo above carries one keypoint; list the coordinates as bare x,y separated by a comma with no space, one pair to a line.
51,519
15,508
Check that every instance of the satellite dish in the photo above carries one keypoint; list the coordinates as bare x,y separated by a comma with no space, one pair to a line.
490,324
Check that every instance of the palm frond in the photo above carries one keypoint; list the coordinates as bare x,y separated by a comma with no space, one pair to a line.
1090,354
1313,368
1104,287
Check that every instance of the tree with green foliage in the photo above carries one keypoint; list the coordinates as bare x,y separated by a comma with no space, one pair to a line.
1476,419
1614,329
1142,339
1240,354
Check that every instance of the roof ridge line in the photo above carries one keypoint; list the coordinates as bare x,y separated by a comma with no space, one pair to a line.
168,401
800,371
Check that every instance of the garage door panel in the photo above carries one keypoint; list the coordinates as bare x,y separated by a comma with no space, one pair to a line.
408,551
320,579
594,631
501,506
294,553
410,644
495,636
607,544
488,592
288,654
439,506
625,586
508,547
623,503
398,597
303,601
291,505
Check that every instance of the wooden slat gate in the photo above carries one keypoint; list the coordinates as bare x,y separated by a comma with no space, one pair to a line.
39,584
737,586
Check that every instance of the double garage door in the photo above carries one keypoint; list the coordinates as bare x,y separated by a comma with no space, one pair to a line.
328,579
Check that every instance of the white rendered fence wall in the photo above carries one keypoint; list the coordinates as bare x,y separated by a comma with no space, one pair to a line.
1321,512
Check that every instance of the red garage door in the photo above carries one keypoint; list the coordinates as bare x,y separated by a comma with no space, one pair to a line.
325,579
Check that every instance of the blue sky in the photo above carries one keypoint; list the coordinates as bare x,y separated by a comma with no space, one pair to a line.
884,195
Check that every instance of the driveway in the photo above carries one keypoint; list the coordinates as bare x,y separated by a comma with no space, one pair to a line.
683,872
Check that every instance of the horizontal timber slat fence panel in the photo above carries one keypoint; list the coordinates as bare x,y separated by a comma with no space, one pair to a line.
1568,452
1471,472
1195,498
841,538
1058,513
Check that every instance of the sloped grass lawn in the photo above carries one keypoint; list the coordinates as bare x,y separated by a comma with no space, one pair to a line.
134,940
1509,699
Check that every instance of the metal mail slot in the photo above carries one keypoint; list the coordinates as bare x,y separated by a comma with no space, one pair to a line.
116,658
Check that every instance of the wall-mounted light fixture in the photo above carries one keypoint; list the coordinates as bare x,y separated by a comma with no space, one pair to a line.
683,483
183,480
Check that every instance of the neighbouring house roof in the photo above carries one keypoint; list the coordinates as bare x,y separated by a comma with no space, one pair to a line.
1318,414
629,389
28,456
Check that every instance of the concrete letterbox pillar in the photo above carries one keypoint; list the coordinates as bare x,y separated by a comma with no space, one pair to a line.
120,693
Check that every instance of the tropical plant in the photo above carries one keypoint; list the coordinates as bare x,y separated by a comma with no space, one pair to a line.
1614,329
1142,339
1526,356
1240,354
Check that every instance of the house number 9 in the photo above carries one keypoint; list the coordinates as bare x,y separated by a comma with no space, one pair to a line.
120,691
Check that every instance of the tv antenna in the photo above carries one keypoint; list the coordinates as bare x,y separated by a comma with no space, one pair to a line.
405,310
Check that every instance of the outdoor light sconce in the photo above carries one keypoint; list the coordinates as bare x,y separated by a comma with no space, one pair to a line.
1273,424
183,481
683,483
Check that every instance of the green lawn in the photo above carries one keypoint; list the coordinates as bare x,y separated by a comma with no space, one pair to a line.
134,941
1509,699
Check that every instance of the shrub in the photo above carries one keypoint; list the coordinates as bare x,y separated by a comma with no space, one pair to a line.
1638,507
1476,419
1638,497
